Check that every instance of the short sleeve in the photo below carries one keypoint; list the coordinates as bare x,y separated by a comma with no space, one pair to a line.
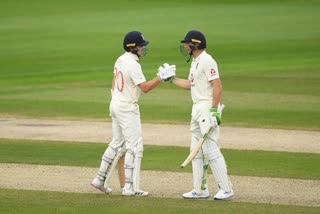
137,74
212,71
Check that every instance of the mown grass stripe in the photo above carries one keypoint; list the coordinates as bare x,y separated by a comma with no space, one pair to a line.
162,158
29,201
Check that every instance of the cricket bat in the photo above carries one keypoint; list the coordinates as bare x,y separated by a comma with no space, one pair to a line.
196,149
200,142
121,171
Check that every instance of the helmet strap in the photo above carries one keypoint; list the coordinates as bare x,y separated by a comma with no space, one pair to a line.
190,55
134,50
192,47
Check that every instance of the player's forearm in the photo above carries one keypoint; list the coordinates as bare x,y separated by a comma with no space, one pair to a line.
217,91
149,85
182,83
216,98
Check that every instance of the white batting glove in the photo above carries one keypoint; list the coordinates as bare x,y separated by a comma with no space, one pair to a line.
166,65
170,79
166,71
160,73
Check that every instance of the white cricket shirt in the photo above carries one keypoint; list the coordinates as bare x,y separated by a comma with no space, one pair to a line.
203,69
128,75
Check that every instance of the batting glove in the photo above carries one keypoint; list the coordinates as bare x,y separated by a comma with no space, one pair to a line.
166,71
161,73
215,117
170,79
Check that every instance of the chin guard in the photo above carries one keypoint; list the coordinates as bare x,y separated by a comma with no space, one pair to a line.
183,50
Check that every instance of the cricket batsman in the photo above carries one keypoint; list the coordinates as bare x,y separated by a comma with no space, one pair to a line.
127,84
206,88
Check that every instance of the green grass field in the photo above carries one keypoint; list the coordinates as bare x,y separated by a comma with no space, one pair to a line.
56,61
248,163
58,202
57,58
240,162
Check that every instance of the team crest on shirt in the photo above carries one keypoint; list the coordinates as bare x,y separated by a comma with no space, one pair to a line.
212,72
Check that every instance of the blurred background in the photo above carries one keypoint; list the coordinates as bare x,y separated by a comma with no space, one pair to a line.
57,57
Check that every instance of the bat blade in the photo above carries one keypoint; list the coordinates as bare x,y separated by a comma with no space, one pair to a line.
200,142
121,171
196,149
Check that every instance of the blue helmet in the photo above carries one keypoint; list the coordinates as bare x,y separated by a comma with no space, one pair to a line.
197,38
133,39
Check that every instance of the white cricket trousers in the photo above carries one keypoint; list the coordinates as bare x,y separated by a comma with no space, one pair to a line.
200,121
126,127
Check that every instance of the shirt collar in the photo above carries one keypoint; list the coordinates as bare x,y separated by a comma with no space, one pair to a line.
198,58
132,56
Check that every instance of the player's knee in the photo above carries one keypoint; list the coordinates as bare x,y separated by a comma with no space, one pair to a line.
199,155
129,159
139,153
138,149
109,154
212,155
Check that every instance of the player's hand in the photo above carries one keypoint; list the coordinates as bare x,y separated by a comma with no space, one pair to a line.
166,72
166,65
160,73
215,117
170,79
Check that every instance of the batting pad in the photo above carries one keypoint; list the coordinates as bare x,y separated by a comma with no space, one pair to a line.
129,165
219,170
136,174
107,159
197,172
119,153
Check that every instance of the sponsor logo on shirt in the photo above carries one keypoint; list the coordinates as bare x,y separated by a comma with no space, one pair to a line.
192,80
213,72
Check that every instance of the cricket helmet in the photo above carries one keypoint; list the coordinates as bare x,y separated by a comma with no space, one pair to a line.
197,38
133,39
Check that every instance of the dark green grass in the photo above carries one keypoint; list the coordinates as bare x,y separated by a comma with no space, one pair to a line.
24,201
57,57
242,109
162,158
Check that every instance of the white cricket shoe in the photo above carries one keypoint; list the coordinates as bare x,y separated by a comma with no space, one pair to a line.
194,195
222,195
205,193
98,184
130,192
141,193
